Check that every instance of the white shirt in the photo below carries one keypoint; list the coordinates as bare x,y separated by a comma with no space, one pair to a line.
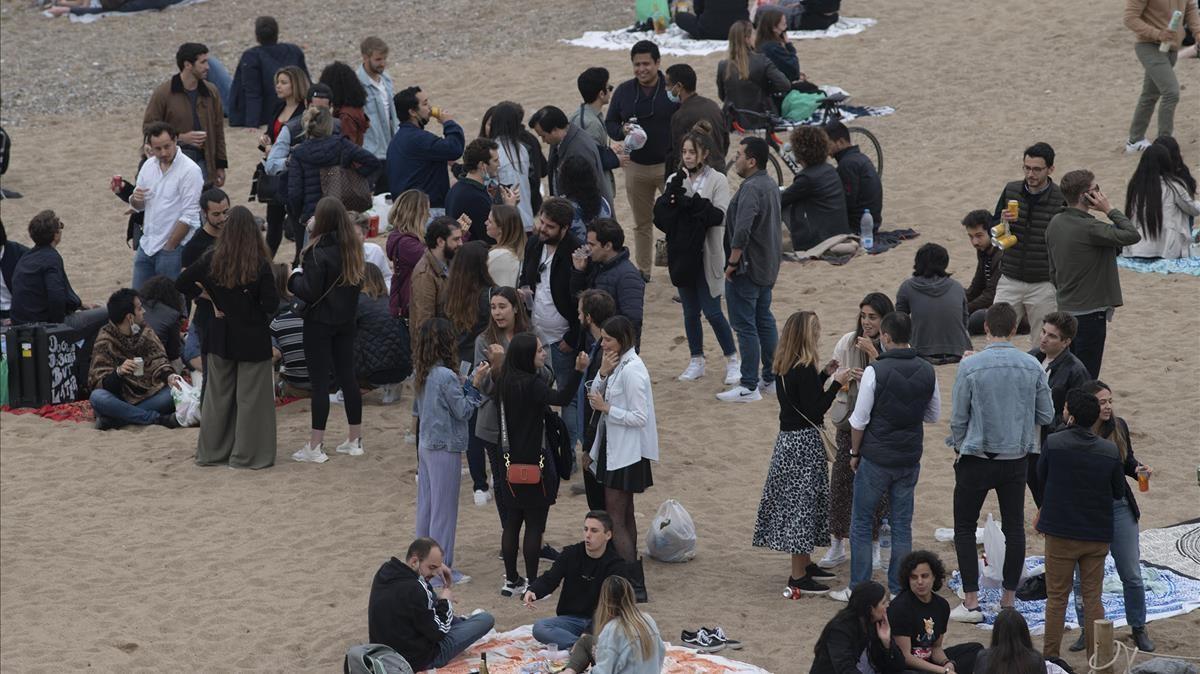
866,401
550,325
173,197
503,266
373,254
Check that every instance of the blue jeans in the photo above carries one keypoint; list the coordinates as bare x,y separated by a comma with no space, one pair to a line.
563,365
696,299
463,632
111,408
871,482
750,314
219,77
191,344
1125,552
163,263
563,630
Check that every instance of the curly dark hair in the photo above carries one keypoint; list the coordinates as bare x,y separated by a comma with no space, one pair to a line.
343,82
810,145
43,227
918,557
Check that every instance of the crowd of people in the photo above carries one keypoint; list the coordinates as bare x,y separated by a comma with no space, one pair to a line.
507,296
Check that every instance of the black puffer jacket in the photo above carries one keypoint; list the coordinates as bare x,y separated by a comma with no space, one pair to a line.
685,220
306,162
382,354
1029,259
329,300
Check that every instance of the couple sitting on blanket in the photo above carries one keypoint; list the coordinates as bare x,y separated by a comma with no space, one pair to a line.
712,19
407,614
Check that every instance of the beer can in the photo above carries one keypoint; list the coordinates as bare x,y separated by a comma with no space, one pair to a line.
1014,209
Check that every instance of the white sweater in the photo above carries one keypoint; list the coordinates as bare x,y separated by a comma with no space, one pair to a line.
1173,241
714,186
630,427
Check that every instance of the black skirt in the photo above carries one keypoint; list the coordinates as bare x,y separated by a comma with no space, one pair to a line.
634,478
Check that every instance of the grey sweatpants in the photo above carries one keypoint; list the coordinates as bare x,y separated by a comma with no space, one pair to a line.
1158,83
439,475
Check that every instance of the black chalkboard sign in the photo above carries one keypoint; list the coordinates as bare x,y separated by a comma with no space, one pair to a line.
43,365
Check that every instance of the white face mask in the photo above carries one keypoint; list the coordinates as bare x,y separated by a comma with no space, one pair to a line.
135,328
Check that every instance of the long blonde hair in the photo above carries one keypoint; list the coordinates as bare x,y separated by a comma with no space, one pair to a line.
298,80
617,603
798,343
512,229
332,219
739,50
409,213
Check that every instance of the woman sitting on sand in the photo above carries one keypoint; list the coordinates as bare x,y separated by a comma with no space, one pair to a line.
814,205
1161,206
793,514
1012,650
627,641
747,80
859,633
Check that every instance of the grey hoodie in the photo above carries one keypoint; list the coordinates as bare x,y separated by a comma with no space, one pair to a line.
938,306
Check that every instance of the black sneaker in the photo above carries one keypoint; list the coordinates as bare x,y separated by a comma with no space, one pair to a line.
548,553
168,420
700,641
808,586
814,571
717,634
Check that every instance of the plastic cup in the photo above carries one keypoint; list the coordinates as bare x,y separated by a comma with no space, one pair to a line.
139,369
1143,479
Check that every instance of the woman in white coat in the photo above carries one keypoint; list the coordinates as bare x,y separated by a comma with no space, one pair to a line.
627,437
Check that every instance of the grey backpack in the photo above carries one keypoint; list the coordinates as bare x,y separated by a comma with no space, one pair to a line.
375,659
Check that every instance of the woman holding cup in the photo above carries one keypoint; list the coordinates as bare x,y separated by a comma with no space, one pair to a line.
1124,548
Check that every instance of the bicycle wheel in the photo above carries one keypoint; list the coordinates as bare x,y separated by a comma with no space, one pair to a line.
775,170
869,145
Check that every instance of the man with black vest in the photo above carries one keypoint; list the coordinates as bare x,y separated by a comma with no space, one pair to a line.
1000,397
897,393
1025,273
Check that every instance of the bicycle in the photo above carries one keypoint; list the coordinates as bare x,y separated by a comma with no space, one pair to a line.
769,125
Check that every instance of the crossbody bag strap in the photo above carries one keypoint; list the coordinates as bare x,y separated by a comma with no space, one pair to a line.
793,404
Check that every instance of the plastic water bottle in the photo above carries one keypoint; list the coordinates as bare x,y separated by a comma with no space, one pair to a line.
885,537
866,229
1173,24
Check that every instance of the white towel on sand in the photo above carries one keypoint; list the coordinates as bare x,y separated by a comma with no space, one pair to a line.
675,42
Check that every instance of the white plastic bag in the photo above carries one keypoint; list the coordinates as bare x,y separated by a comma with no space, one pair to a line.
993,549
187,403
672,535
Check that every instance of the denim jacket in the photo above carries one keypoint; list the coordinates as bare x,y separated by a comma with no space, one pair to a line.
1000,397
445,407
381,111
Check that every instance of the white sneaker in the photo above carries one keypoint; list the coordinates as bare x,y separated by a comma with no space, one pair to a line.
739,394
410,438
733,370
835,555
337,398
962,614
695,369
482,497
767,389
1134,148
876,562
842,595
351,447
309,454
516,589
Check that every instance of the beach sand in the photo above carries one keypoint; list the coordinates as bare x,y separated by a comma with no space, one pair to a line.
117,553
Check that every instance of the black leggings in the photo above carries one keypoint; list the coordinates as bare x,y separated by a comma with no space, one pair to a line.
534,520
275,216
325,347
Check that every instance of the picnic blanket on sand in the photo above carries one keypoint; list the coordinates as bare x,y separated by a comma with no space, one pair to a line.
836,250
675,42
1167,594
509,651
1184,265
150,6
81,411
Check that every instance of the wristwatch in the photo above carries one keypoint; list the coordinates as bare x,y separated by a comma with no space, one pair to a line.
854,456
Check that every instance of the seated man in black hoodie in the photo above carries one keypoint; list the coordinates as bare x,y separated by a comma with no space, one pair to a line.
406,614
581,568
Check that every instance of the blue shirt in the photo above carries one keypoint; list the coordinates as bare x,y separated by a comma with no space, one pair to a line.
1000,397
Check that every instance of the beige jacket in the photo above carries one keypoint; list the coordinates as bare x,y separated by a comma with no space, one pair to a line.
428,291
1146,18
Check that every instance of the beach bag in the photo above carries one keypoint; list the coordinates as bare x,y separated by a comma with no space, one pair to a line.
672,535
187,403
993,550
347,186
843,406
798,106
648,10
375,659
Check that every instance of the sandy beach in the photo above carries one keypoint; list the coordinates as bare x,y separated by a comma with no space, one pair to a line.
117,553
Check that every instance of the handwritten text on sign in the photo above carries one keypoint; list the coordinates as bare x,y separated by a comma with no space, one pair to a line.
61,356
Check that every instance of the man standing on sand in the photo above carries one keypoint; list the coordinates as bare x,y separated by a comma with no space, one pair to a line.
681,87
589,117
567,140
417,159
192,107
381,113
753,237
1025,277
643,100
168,190
1083,254
1150,22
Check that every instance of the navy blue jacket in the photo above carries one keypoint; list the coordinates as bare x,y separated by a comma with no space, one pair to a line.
416,159
864,190
1083,476
40,290
471,197
8,264
653,114
306,162
619,278
895,436
784,57
252,96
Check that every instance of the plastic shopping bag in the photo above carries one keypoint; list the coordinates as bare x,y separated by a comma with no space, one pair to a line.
187,403
993,550
672,535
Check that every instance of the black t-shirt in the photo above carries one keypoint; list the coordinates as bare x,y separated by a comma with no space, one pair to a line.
923,623
196,246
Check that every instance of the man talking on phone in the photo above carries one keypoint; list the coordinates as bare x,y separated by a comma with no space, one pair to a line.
1083,263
